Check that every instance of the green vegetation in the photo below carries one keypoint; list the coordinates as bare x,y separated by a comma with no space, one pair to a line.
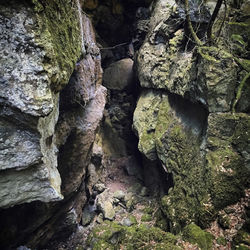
195,235
221,241
58,33
111,235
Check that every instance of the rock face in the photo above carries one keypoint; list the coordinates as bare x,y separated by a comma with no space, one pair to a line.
183,118
46,135
34,63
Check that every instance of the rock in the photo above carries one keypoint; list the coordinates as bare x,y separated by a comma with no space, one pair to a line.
45,150
228,157
144,191
108,210
126,222
23,248
104,204
116,201
34,173
34,66
129,221
183,122
97,155
119,75
99,218
79,127
133,167
88,215
92,177
130,202
144,122
119,194
163,63
99,187
134,237
194,234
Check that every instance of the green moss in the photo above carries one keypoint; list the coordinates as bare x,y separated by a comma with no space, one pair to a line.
242,247
179,151
242,237
193,234
244,63
59,35
221,241
146,217
229,174
161,221
239,90
113,236
214,54
239,39
148,210
132,219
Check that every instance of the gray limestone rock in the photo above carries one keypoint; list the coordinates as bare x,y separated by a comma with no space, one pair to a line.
208,76
104,203
119,75
99,187
119,194
144,121
30,161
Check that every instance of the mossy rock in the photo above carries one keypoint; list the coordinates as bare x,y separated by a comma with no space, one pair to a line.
58,32
178,141
228,140
111,235
161,221
195,235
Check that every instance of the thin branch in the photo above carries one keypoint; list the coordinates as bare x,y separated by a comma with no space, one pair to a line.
118,45
224,18
239,91
191,29
212,19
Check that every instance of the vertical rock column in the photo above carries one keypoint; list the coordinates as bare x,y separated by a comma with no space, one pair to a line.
46,136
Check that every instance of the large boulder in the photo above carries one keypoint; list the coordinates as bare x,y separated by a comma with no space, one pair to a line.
119,75
34,62
183,120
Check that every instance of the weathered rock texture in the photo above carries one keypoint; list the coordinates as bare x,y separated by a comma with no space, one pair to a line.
183,117
34,63
46,136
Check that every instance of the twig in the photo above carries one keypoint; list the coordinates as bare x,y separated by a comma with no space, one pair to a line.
224,18
191,29
114,46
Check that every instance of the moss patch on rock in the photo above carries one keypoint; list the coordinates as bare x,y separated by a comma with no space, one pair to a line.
178,141
193,234
227,158
111,235
58,33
